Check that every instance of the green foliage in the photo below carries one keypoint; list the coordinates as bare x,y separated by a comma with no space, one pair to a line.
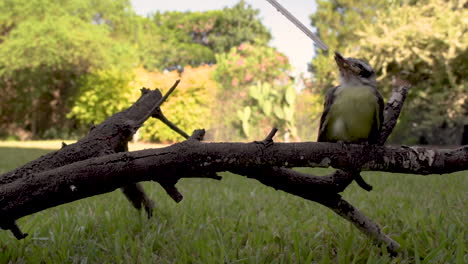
337,23
237,25
309,107
189,106
244,117
193,38
55,42
252,70
425,40
46,47
102,94
161,47
248,64
271,107
72,58
242,221
428,42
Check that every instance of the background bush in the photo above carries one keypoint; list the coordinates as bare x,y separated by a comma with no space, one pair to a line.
189,106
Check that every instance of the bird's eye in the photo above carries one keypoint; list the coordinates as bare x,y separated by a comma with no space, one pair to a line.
363,72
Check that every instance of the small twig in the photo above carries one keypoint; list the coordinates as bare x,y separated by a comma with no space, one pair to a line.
356,176
159,115
144,90
197,134
362,183
164,98
271,134
268,141
14,228
172,191
160,102
362,222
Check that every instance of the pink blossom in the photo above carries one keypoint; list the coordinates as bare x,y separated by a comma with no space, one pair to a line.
234,82
240,62
280,58
248,77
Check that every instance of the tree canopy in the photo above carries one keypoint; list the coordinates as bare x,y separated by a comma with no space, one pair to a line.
193,38
45,47
422,41
66,64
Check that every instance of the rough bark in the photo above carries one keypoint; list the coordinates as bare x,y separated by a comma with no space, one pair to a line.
36,191
68,175
111,136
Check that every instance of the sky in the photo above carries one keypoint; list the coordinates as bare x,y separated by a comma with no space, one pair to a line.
286,37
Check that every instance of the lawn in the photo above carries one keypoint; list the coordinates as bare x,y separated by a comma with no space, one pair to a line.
239,220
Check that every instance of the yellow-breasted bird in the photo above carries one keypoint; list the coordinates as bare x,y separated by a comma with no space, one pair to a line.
353,111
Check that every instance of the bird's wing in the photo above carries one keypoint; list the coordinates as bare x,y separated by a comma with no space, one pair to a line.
378,119
329,98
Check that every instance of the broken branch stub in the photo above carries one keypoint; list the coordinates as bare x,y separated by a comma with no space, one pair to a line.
110,136
30,192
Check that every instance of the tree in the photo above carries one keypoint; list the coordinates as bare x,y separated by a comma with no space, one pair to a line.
161,47
237,25
265,107
101,93
193,38
254,82
45,47
189,106
53,53
422,39
426,42
337,24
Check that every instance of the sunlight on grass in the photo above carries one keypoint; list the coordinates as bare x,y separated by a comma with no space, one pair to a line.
239,220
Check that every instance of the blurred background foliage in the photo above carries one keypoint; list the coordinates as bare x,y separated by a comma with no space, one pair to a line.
65,64
189,106
423,41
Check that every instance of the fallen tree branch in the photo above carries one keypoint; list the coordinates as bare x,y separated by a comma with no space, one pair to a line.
25,191
109,137
37,191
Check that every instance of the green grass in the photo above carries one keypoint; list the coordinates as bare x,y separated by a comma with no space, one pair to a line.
239,220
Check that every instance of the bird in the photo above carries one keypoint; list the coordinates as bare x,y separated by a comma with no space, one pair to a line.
353,110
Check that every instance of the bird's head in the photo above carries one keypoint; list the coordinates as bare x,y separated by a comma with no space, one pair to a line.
355,71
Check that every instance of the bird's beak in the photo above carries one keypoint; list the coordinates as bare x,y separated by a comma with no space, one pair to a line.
344,66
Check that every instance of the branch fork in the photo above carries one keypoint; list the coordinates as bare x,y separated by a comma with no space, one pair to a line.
42,179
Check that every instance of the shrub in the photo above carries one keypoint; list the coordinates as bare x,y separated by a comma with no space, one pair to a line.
189,106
